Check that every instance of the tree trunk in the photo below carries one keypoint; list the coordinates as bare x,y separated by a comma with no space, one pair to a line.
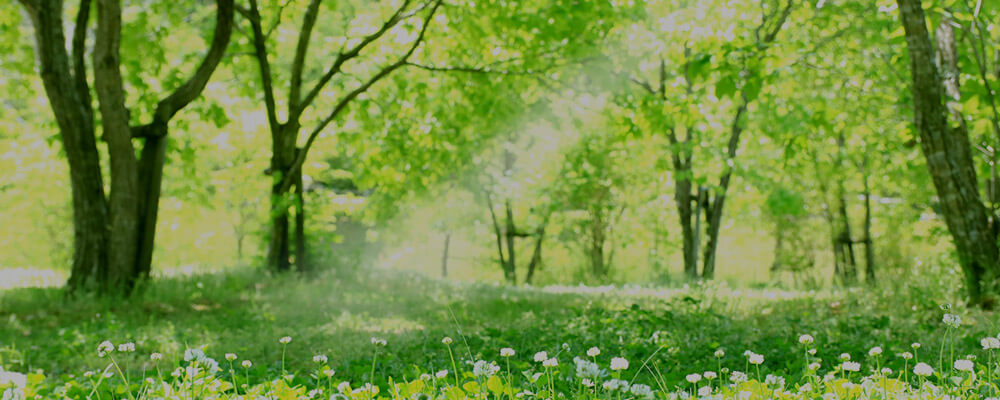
444,255
300,224
498,234
690,237
948,154
536,255
151,165
510,270
282,197
869,241
715,206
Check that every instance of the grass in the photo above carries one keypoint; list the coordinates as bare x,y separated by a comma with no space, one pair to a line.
676,330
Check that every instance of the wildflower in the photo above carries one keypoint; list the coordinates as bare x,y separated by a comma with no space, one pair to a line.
756,359
922,369
593,352
156,356
425,377
875,351
446,340
104,348
845,357
230,357
126,347
615,384
964,365
811,352
484,369
693,378
704,391
990,343
506,352
552,362
738,377
379,342
806,339
329,372
886,371
587,369
441,374
952,320
805,388
587,382
246,364
720,353
618,364
906,355
710,375
320,359
915,345
775,380
850,366
285,340
88,374
315,392
344,387
640,390
814,366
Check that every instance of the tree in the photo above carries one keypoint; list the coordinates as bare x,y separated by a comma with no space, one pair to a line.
113,233
948,152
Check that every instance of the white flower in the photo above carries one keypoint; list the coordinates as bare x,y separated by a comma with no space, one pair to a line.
952,320
15,379
314,393
915,345
845,356
850,366
541,356
587,369
710,375
906,355
886,371
379,342
618,364
964,365
126,347
506,352
990,343
922,369
693,378
615,384
425,377
552,362
441,374
344,387
805,388
104,348
587,382
806,339
704,391
811,352
285,340
320,359
230,357
484,369
814,366
329,372
156,356
720,353
246,364
446,340
775,380
756,359
640,390
593,352
738,377
875,351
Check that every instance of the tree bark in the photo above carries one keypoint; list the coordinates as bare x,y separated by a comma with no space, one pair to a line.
949,160
300,224
510,269
536,254
444,255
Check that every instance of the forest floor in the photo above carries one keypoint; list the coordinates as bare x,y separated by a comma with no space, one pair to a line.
246,313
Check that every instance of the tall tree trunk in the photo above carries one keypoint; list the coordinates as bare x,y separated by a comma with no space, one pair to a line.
948,154
511,234
300,224
868,240
498,234
444,255
715,206
282,197
536,254
151,164
690,237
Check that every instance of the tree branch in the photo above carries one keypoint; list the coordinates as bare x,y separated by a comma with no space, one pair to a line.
260,49
308,23
79,57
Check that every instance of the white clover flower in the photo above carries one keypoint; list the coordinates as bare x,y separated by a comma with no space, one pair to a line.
587,369
814,366
964,365
156,356
441,374
693,378
875,351
88,374
775,380
704,391
710,375
805,388
541,356
246,364
379,342
506,352
806,339
425,377
552,362
952,320
285,340
906,355
593,352
446,340
618,364
329,372
886,371
230,357
756,359
738,377
720,353
640,390
915,345
320,359
922,369
990,343
104,348
126,347
315,392
845,357
745,395
587,382
850,366
615,384
811,352
344,387
484,369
